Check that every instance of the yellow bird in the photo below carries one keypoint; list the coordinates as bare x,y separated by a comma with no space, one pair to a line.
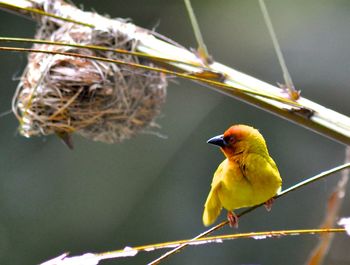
247,177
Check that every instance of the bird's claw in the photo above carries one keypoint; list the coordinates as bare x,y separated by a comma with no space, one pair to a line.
232,219
268,204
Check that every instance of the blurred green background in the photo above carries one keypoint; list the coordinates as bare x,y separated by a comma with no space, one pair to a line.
102,197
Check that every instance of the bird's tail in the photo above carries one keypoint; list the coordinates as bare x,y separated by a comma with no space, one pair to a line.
212,208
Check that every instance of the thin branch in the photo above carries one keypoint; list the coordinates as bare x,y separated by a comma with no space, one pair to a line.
5,113
102,48
95,258
220,238
202,48
287,79
312,116
192,76
222,224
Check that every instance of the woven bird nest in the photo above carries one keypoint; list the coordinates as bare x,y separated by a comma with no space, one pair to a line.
99,100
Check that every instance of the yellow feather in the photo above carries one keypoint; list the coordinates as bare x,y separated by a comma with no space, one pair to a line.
213,206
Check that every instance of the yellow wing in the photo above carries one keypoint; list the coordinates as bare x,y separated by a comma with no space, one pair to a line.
262,173
212,207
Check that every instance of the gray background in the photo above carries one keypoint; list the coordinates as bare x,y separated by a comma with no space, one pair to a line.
102,197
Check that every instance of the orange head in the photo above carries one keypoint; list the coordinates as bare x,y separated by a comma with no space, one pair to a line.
238,139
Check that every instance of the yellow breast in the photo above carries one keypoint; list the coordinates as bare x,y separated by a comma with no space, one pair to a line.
248,181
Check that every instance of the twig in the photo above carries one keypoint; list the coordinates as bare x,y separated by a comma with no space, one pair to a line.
226,88
219,238
287,79
312,116
283,193
101,48
95,258
202,48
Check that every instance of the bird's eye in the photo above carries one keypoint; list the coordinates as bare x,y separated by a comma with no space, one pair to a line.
229,139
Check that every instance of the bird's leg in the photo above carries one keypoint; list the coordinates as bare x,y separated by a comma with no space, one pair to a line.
268,204
232,219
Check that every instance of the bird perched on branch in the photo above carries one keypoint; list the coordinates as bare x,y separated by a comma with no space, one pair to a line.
247,177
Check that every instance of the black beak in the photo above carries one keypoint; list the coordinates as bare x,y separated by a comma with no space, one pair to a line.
217,140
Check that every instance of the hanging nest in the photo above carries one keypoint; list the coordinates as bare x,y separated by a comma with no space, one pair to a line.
101,101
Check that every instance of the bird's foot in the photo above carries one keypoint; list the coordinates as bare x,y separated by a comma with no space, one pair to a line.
232,219
268,204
